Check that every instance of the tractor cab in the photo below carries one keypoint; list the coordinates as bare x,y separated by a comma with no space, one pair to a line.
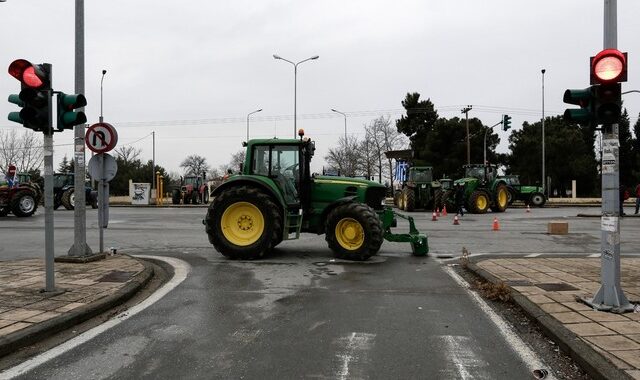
420,174
484,173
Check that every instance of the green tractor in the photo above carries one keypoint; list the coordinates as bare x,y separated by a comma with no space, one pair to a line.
419,190
275,197
530,195
482,190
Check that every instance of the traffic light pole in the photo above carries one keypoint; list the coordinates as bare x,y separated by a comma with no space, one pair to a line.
49,253
485,139
610,296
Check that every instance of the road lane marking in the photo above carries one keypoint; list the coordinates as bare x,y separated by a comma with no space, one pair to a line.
534,255
460,352
356,347
181,270
527,356
594,255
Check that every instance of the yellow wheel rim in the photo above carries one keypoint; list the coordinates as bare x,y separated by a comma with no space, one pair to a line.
349,234
481,202
242,223
503,197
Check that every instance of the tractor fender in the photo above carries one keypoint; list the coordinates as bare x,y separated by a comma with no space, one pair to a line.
331,206
260,182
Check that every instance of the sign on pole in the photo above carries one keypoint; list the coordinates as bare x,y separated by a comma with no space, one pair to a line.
101,137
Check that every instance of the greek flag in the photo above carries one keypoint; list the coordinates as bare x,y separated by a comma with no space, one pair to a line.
400,174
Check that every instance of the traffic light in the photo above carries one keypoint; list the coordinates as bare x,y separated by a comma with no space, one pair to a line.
583,98
67,117
608,68
35,94
506,122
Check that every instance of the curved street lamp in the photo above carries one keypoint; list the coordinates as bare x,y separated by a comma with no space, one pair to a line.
345,123
295,81
249,114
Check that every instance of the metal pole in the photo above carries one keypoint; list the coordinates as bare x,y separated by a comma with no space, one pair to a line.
610,296
79,247
295,95
544,178
153,163
345,122
466,112
49,253
101,80
485,138
249,114
101,210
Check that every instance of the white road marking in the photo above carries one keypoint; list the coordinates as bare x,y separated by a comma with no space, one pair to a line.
356,347
181,270
527,356
594,255
534,255
460,352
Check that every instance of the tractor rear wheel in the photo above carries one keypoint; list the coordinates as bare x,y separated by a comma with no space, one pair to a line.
353,231
537,200
502,199
409,196
186,199
396,198
512,196
206,196
23,204
4,211
243,223
195,197
437,199
68,199
401,200
478,202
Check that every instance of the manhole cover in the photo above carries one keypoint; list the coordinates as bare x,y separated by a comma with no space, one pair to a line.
116,276
556,287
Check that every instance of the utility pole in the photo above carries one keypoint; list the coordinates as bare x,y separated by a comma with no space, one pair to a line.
153,163
544,178
466,112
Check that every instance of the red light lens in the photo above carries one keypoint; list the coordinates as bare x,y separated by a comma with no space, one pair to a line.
608,68
17,67
30,78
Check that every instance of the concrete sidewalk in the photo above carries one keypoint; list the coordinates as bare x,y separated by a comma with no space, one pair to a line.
606,345
83,290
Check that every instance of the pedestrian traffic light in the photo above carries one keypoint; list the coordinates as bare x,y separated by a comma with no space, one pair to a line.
67,117
608,69
583,98
35,94
506,122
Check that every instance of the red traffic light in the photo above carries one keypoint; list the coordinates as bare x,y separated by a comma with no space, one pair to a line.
30,75
609,66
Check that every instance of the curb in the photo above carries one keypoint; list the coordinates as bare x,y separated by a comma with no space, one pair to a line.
592,362
39,331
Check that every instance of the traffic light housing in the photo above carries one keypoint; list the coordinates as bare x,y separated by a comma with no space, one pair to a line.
67,117
585,99
608,69
35,95
506,122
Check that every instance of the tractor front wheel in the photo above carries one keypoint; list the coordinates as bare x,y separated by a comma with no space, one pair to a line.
68,199
243,223
353,231
478,202
537,200
502,199
175,197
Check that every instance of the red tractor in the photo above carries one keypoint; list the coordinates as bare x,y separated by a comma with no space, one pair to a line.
18,195
193,190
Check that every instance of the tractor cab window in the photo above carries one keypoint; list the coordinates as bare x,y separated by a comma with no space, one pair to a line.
475,172
513,180
191,181
282,164
422,175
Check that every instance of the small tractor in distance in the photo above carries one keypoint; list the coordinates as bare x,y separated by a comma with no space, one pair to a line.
275,197
193,189
530,195
482,190
419,190
21,198
64,192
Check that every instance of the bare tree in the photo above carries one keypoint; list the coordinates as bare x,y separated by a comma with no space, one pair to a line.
346,157
24,151
195,164
368,157
384,138
128,154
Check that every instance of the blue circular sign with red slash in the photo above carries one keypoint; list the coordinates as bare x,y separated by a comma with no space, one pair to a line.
101,137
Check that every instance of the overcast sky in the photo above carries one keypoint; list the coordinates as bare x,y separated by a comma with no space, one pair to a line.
192,70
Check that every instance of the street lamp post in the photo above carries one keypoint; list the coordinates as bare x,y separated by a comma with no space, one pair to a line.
249,114
345,122
544,187
466,112
101,80
295,81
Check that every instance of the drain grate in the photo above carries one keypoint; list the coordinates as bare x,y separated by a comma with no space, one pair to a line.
116,276
558,287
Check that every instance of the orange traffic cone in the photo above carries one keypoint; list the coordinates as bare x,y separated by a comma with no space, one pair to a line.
456,222
438,212
528,208
444,210
496,224
433,217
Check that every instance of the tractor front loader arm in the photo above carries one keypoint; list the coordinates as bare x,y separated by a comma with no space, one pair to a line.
419,243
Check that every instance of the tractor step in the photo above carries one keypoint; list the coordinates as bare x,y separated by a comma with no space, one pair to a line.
293,225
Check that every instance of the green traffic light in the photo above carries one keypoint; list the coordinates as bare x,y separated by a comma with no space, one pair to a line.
15,99
585,99
15,116
67,117
506,122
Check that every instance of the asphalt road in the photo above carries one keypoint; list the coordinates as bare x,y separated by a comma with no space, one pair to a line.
301,314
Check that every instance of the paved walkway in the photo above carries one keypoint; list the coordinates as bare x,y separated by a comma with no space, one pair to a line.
83,290
606,345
